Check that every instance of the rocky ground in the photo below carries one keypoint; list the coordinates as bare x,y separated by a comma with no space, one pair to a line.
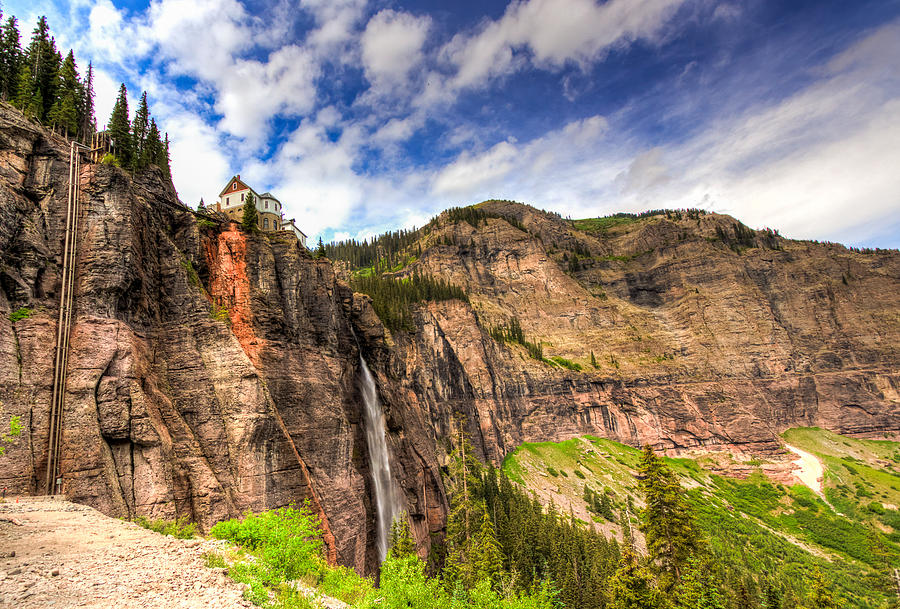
54,553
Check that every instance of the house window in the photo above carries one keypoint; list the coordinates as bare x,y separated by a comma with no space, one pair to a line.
267,205
242,196
234,186
265,223
227,199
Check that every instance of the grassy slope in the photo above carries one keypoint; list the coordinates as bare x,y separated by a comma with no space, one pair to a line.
754,524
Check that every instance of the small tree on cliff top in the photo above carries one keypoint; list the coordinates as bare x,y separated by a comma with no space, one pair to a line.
249,220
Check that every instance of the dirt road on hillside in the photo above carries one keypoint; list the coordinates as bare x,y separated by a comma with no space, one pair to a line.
59,554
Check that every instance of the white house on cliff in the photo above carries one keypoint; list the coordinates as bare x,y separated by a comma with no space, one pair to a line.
268,208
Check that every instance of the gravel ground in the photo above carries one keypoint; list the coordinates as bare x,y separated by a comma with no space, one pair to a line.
54,553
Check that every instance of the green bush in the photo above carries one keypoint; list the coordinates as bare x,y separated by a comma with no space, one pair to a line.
552,471
876,508
214,561
579,474
565,363
19,314
287,539
180,528
110,159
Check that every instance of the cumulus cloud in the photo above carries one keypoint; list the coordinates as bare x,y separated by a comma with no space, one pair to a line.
392,46
251,91
554,32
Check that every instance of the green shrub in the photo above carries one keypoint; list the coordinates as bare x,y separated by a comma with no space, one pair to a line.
19,314
579,474
110,159
180,528
565,363
876,508
214,560
287,539
552,471
220,314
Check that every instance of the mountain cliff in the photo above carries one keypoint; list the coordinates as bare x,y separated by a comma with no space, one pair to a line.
213,371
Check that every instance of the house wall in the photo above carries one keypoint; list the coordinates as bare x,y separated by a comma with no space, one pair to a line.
266,221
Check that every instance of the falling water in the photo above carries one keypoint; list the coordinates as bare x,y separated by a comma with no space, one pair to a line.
387,502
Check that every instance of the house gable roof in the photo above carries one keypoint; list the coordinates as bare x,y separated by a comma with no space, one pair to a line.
240,185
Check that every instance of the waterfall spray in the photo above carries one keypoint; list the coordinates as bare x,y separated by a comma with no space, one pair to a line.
387,498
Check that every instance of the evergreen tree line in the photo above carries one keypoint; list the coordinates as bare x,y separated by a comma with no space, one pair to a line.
48,88
497,535
501,537
137,143
392,297
511,332
600,503
42,84
476,216
382,253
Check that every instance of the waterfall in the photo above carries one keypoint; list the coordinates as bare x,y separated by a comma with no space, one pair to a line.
387,499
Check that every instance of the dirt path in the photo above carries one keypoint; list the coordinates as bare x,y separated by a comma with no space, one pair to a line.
811,471
60,554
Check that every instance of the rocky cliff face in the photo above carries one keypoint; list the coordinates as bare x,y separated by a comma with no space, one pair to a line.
213,371
698,339
210,371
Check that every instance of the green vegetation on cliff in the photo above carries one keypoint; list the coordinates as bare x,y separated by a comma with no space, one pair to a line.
392,297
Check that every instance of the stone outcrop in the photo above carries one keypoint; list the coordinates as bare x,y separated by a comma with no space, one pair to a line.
214,371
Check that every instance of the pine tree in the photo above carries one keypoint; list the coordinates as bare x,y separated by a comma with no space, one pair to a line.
401,541
466,514
488,559
120,128
44,61
11,59
64,111
166,160
140,128
27,98
153,152
696,590
667,521
250,220
88,125
593,360
632,586
820,595
320,249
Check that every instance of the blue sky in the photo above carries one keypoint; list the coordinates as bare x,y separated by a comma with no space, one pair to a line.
364,116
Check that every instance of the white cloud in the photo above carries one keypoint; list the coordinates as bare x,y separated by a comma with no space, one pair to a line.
392,46
469,172
646,172
251,92
337,21
200,167
555,32
530,170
